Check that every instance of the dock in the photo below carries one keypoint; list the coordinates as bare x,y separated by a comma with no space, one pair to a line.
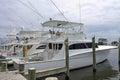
47,72
9,61
11,75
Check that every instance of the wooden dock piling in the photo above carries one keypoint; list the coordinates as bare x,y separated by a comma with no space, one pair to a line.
4,66
21,68
67,59
32,74
51,78
94,54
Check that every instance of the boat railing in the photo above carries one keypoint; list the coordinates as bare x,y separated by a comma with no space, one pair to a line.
56,36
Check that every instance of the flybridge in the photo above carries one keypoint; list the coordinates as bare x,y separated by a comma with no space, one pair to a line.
66,29
61,24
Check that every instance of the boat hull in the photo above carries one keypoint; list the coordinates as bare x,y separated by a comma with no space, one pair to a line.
77,61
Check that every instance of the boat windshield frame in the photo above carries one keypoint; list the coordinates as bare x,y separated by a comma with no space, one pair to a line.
81,46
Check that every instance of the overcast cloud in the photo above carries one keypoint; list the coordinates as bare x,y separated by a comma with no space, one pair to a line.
100,17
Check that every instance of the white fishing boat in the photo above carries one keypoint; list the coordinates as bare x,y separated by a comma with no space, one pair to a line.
31,39
80,48
8,45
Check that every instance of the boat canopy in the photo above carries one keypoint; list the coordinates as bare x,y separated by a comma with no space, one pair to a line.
60,24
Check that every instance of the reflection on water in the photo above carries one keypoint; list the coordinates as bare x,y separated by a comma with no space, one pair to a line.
104,71
108,70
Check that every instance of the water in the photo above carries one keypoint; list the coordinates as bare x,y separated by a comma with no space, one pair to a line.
108,70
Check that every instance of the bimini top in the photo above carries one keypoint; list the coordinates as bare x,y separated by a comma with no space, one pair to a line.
60,24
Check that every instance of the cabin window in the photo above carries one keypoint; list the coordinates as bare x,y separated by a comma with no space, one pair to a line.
81,46
41,47
55,46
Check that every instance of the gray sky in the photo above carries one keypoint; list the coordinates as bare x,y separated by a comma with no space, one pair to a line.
100,17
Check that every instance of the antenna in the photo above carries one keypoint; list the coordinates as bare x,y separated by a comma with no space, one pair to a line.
80,11
37,12
59,10
31,8
80,20
21,18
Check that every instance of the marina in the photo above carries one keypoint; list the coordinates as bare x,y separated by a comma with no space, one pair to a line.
109,69
62,52
59,40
